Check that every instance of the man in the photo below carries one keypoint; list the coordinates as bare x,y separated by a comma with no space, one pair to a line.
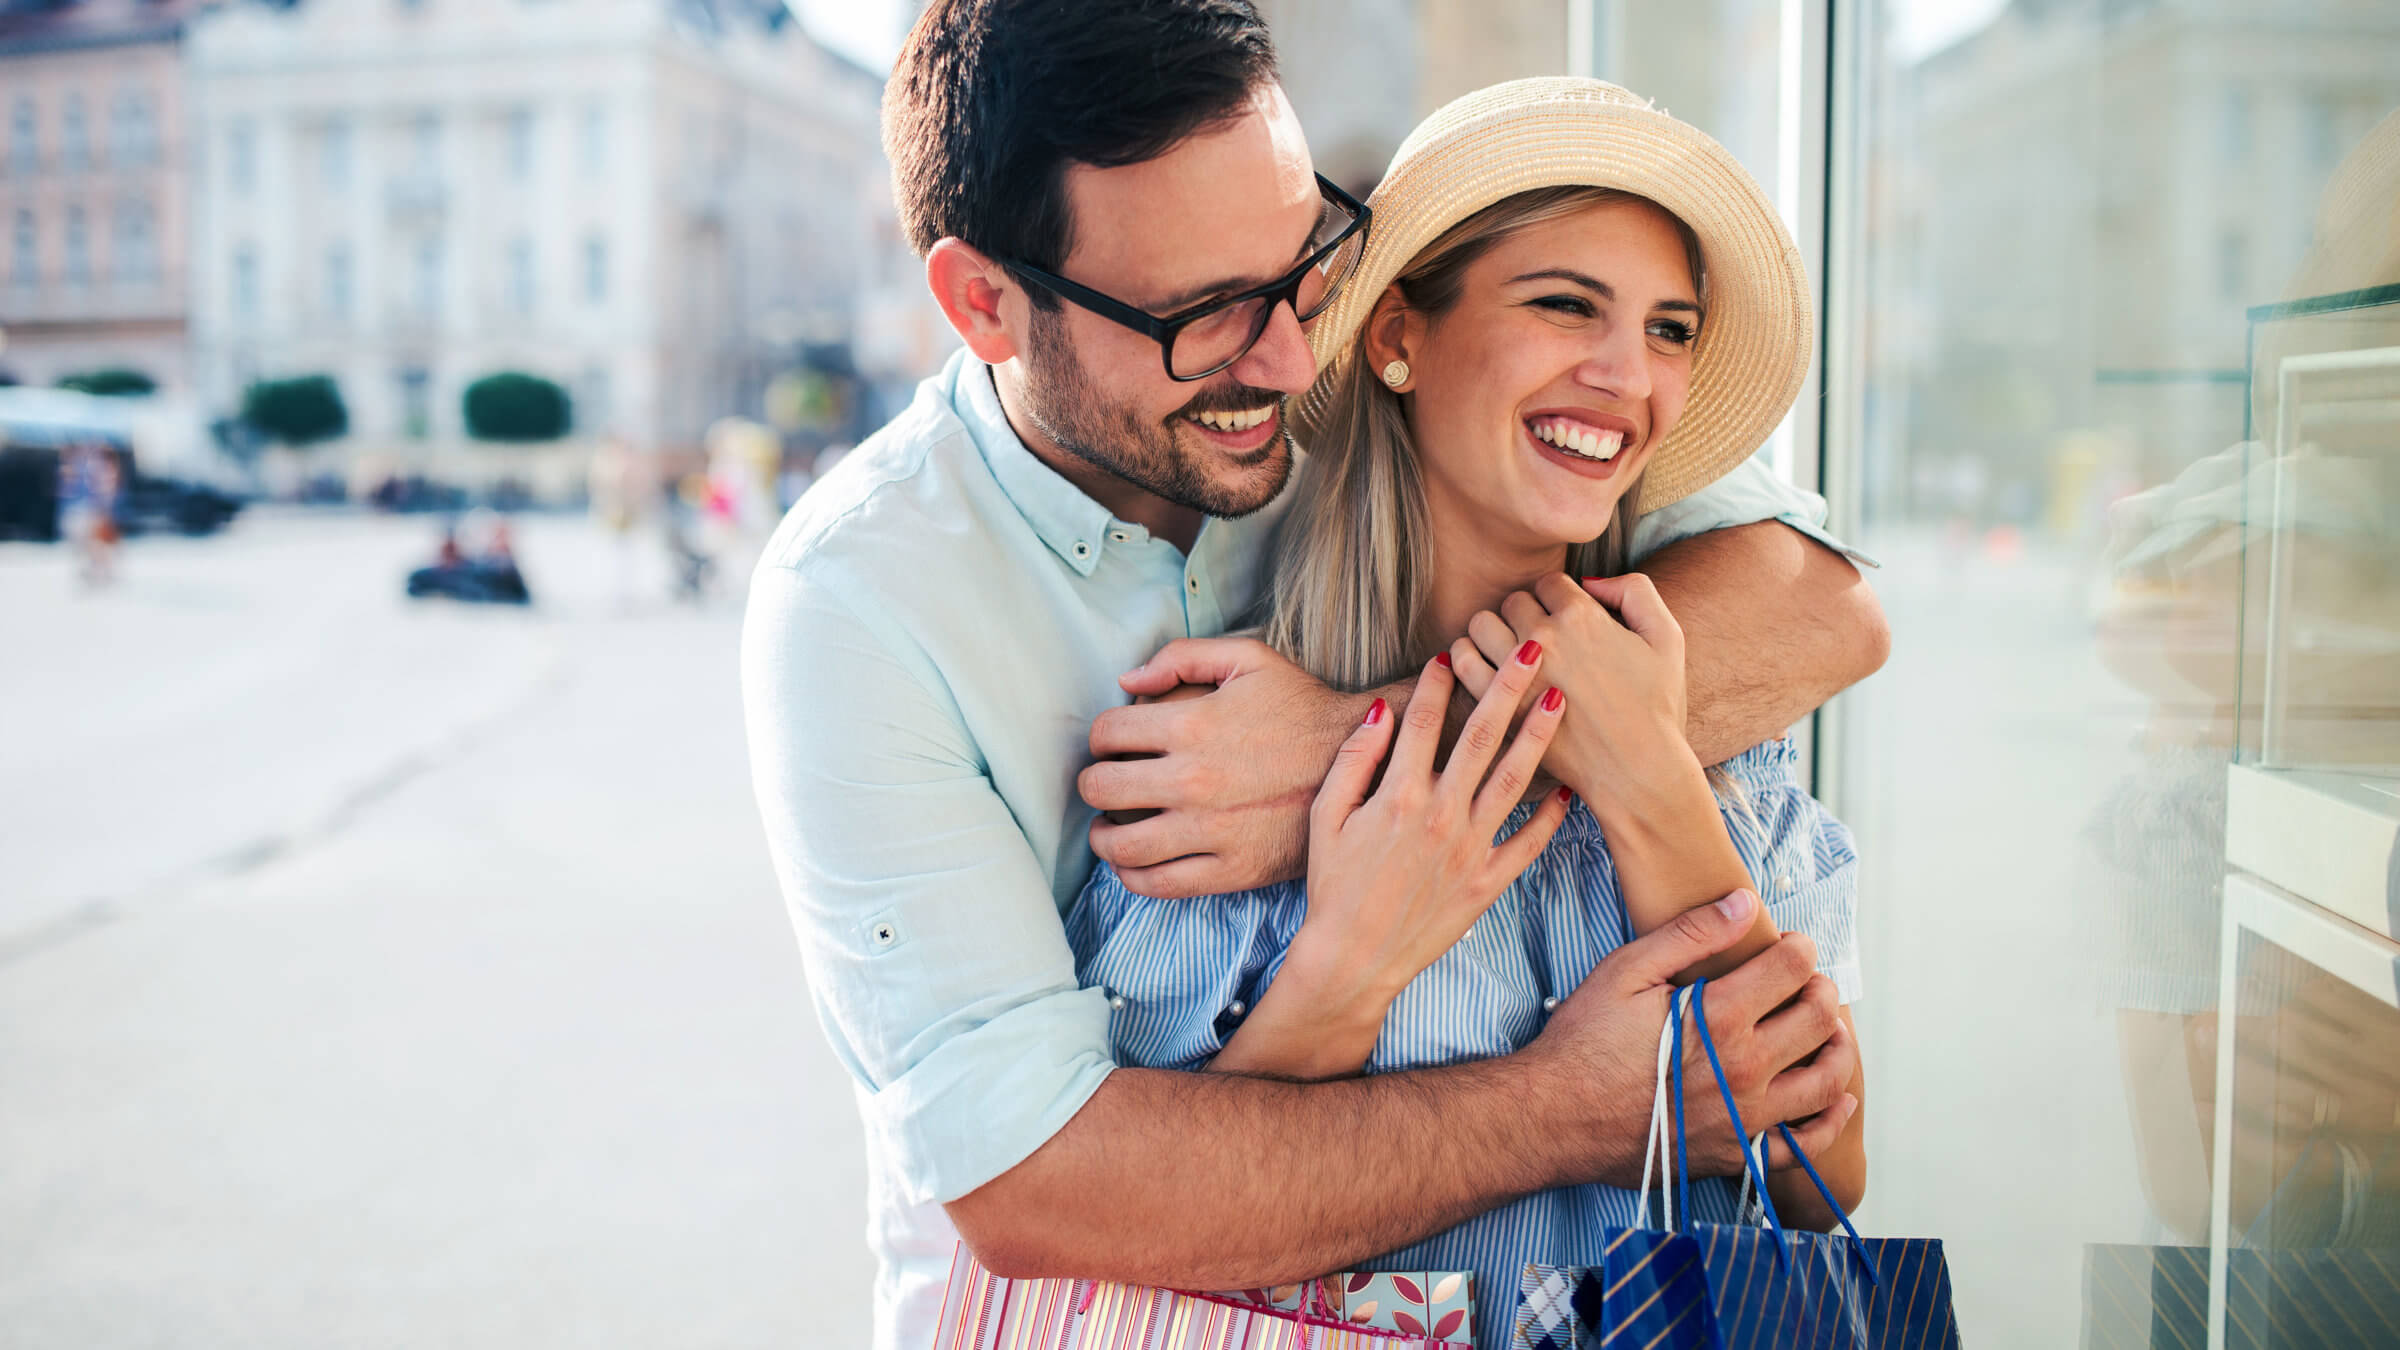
936,632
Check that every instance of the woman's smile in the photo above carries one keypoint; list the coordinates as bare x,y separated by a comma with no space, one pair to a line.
1592,444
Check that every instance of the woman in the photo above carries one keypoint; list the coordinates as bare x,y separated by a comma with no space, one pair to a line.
1534,342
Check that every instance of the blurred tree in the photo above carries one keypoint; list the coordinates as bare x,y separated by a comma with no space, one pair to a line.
109,380
298,411
513,406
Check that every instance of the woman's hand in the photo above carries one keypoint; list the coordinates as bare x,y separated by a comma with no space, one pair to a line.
1397,876
1618,654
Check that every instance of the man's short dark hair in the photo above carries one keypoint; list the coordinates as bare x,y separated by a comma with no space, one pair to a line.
991,101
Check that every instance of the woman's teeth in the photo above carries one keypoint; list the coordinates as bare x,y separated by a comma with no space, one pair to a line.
1577,439
1234,421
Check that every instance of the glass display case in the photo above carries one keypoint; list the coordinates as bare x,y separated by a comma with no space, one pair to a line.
2305,1173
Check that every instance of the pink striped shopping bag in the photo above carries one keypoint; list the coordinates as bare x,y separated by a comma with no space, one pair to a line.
982,1311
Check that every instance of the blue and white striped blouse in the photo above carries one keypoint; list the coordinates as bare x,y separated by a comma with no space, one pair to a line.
1181,973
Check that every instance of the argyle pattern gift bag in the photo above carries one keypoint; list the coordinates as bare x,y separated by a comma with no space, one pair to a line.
1734,1287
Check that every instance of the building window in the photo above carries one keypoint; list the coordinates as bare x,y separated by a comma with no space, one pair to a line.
79,248
2323,120
425,133
429,278
75,143
24,137
241,157
520,275
133,130
2233,129
416,402
518,133
134,256
595,140
337,282
25,266
595,269
2233,264
335,163
591,400
245,284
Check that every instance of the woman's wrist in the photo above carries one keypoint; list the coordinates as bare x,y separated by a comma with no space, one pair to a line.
1337,981
1647,792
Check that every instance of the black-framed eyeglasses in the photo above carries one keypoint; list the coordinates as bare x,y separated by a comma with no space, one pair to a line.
1199,341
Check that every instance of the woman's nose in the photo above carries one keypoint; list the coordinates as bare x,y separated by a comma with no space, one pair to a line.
1617,365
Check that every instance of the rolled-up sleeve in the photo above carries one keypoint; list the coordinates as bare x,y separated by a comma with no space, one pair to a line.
1750,494
931,942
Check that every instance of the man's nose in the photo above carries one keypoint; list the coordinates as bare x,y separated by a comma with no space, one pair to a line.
1280,359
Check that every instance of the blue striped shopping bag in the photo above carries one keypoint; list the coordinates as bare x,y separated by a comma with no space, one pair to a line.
1734,1287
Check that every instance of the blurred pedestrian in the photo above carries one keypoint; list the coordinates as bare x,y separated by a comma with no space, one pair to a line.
615,490
693,565
89,485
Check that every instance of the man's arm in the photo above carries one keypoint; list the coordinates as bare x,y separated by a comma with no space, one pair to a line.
1774,624
1218,1181
942,976
1775,619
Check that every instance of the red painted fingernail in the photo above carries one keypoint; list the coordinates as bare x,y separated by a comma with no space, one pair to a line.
1595,578
1553,700
1374,712
1527,654
1566,796
1442,659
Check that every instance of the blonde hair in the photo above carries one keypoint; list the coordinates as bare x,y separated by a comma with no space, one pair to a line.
1354,569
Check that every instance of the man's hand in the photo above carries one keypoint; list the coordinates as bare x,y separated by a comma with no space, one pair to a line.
1231,774
1786,1053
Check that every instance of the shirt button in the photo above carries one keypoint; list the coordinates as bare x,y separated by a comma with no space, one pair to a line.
1118,536
1784,880
1082,549
1238,1008
1193,583
1550,1004
884,933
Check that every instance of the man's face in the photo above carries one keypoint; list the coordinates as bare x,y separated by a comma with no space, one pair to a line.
1225,210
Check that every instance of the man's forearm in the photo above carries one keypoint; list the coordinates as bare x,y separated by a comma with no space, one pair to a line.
1216,1181
1774,624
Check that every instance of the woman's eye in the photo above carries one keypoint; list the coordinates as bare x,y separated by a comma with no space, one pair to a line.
1681,334
1566,304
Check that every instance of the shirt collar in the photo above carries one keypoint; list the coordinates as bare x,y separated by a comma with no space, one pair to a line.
1072,524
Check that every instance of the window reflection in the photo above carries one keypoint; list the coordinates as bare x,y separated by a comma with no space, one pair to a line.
2072,214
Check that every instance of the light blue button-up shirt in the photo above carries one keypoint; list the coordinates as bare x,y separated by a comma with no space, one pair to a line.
930,634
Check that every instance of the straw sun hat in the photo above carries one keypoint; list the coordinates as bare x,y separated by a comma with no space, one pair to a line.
1560,131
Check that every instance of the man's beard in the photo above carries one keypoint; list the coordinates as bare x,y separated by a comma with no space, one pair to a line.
1063,406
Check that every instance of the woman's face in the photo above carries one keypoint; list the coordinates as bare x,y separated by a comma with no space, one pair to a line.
1541,394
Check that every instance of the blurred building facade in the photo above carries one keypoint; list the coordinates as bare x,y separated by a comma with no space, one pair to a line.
659,204
2063,264
93,187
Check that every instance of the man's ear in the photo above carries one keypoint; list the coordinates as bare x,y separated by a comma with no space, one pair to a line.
1393,332
977,297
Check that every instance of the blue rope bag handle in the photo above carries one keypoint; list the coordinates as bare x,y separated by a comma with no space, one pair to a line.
1755,1165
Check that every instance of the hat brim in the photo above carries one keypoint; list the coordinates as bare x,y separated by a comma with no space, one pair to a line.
1753,353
